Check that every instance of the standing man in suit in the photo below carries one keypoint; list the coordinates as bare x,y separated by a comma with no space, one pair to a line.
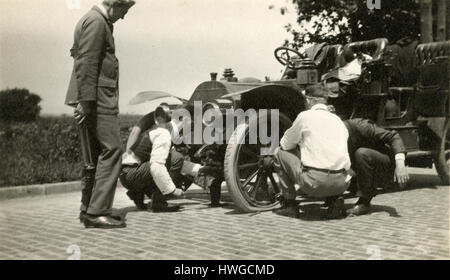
378,157
94,92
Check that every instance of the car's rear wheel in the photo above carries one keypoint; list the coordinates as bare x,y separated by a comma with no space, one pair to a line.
442,157
251,180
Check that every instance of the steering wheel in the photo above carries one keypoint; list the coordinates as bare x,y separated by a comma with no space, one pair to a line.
284,56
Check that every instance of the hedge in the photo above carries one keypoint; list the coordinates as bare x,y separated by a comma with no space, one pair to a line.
44,151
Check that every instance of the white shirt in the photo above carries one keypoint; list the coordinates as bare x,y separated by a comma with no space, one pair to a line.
322,138
352,70
161,144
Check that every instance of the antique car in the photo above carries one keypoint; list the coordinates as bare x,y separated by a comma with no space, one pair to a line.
419,113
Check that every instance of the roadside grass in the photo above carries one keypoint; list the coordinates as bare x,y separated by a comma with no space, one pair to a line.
44,151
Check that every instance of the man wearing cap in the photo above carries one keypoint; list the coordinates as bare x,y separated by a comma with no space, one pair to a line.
94,92
321,168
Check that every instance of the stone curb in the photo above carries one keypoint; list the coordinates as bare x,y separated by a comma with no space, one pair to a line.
39,190
59,188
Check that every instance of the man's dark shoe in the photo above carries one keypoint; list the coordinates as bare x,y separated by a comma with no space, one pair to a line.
164,208
138,199
336,210
217,204
105,222
83,216
289,209
159,202
358,210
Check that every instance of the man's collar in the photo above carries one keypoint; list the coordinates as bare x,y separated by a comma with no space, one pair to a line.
320,107
102,10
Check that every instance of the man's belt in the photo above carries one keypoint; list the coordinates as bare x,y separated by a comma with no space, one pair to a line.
305,167
130,165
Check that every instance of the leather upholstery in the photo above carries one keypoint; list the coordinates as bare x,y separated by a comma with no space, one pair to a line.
331,60
374,48
427,52
333,56
431,99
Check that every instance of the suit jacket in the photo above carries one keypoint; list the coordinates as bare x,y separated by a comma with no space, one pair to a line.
364,133
95,72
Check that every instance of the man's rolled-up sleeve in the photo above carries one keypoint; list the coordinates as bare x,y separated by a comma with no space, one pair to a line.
161,144
292,136
90,49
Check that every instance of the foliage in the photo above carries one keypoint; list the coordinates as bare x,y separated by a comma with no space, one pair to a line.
19,105
44,151
39,152
344,21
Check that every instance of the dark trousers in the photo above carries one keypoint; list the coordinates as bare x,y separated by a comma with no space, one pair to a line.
99,184
373,169
138,179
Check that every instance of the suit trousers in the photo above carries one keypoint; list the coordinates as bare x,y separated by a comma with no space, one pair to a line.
313,183
99,185
373,169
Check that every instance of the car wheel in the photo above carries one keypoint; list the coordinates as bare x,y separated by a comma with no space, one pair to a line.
251,180
442,157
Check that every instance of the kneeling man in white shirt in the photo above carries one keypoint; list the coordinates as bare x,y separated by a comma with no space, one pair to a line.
319,168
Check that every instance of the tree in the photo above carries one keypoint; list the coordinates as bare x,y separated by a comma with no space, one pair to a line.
426,21
441,20
448,20
343,21
19,105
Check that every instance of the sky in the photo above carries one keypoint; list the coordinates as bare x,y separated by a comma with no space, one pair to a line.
163,45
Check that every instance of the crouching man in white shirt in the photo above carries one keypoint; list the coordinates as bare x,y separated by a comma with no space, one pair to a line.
151,166
321,168
145,169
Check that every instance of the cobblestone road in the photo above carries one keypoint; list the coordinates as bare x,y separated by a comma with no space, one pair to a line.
409,224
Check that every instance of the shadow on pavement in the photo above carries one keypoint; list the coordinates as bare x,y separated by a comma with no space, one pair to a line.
235,211
314,211
388,209
424,180
123,212
311,210
417,181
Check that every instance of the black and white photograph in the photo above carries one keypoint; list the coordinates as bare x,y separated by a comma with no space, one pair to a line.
238,130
